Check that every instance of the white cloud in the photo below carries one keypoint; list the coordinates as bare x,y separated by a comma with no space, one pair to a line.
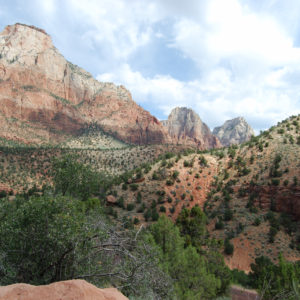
245,52
49,6
117,27
232,31
215,98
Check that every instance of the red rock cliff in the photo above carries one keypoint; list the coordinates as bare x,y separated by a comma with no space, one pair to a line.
282,199
40,89
185,127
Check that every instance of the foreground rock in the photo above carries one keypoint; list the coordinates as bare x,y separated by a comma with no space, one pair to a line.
43,96
239,293
64,290
185,127
235,131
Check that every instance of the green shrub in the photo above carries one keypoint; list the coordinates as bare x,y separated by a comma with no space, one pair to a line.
147,215
139,197
275,181
169,182
130,206
58,232
154,214
228,214
228,247
3,194
219,225
162,209
134,186
153,204
257,222
175,174
120,202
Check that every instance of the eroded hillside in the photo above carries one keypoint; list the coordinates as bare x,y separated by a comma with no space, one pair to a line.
250,193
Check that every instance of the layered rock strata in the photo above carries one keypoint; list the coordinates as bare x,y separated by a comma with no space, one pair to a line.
41,92
185,127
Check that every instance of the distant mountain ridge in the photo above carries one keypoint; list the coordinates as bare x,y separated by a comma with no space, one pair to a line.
185,127
235,131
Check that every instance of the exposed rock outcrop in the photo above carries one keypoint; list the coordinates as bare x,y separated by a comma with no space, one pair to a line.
40,89
240,293
281,199
64,290
185,127
235,131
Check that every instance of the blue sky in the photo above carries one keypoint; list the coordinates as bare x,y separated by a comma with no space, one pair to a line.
223,58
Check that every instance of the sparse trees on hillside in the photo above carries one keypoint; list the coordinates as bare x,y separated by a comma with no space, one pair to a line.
73,178
47,239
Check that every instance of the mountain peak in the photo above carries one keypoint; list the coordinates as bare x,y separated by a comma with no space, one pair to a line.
185,126
21,45
19,25
39,86
26,35
234,131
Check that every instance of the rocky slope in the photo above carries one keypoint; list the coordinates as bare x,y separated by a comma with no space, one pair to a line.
235,131
43,97
185,127
250,193
255,200
64,290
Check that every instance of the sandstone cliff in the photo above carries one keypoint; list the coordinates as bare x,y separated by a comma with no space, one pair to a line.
43,96
185,127
235,131
280,199
64,290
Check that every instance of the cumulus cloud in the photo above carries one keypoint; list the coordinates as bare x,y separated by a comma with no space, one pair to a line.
237,32
48,6
118,27
215,98
240,57
246,62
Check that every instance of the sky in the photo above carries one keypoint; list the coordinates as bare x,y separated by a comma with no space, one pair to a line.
222,58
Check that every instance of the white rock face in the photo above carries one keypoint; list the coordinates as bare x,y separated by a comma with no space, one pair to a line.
235,131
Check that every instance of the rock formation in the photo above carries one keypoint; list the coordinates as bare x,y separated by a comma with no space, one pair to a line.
43,96
185,127
280,199
235,131
64,290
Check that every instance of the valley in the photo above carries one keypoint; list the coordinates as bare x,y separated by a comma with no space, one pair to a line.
165,195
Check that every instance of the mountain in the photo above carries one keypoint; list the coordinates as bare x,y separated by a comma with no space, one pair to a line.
185,127
250,193
45,99
235,131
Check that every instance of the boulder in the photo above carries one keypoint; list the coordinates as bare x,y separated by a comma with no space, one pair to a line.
64,290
